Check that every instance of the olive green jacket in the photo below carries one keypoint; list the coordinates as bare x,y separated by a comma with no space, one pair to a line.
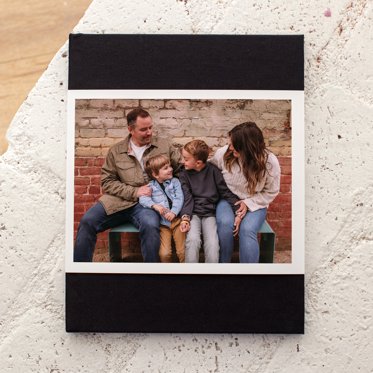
122,175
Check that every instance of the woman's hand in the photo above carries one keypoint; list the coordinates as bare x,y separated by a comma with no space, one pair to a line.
237,222
242,210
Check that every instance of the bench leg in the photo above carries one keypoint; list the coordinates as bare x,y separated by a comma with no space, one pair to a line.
267,247
115,249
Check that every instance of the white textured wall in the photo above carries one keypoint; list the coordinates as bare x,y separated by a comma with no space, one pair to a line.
339,212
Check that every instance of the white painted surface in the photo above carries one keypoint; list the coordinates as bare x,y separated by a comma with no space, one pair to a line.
339,208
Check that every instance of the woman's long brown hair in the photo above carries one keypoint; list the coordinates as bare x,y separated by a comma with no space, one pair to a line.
247,139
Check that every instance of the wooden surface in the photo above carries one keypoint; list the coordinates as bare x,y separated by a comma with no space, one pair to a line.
31,32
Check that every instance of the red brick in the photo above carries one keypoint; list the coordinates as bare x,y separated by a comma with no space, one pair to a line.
96,180
283,244
283,235
284,161
84,161
81,189
79,162
78,216
84,198
283,223
87,206
273,222
285,170
284,239
99,162
90,171
278,207
100,246
285,179
103,243
285,188
82,180
280,246
79,207
283,198
279,215
89,161
94,190
102,235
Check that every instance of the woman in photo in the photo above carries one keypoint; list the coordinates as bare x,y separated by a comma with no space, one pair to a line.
252,173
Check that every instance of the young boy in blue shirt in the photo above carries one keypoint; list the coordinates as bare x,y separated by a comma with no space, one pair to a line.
167,199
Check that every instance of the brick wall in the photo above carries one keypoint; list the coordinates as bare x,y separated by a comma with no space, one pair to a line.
101,123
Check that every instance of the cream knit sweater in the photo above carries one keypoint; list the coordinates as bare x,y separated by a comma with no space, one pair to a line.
266,190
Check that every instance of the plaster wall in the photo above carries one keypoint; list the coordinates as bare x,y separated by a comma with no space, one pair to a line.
339,209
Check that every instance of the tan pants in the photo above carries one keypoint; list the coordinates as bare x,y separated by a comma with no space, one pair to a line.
166,234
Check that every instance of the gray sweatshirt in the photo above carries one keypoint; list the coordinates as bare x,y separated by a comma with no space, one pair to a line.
202,191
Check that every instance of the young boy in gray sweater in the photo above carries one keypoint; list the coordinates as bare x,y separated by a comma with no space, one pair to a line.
203,186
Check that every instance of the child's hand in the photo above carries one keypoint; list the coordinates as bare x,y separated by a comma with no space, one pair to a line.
169,216
159,208
237,222
185,226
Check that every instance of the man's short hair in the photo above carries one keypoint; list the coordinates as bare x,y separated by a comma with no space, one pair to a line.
198,149
134,114
154,164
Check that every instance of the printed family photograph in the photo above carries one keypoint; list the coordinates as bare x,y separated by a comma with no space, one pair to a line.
182,181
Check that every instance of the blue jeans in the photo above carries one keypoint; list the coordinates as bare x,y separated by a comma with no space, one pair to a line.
95,220
248,234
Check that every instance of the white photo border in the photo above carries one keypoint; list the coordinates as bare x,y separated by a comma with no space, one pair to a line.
298,189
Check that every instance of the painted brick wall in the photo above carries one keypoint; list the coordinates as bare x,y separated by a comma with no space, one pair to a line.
101,123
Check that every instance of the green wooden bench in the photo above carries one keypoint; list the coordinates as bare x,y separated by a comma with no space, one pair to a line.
267,243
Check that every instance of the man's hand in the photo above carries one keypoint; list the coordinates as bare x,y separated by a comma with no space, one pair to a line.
185,226
237,222
145,190
169,215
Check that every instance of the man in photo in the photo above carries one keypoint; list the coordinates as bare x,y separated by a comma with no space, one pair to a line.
124,181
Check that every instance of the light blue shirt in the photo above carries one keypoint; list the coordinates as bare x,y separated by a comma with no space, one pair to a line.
158,197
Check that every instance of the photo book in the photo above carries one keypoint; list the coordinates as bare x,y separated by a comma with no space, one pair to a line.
227,92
